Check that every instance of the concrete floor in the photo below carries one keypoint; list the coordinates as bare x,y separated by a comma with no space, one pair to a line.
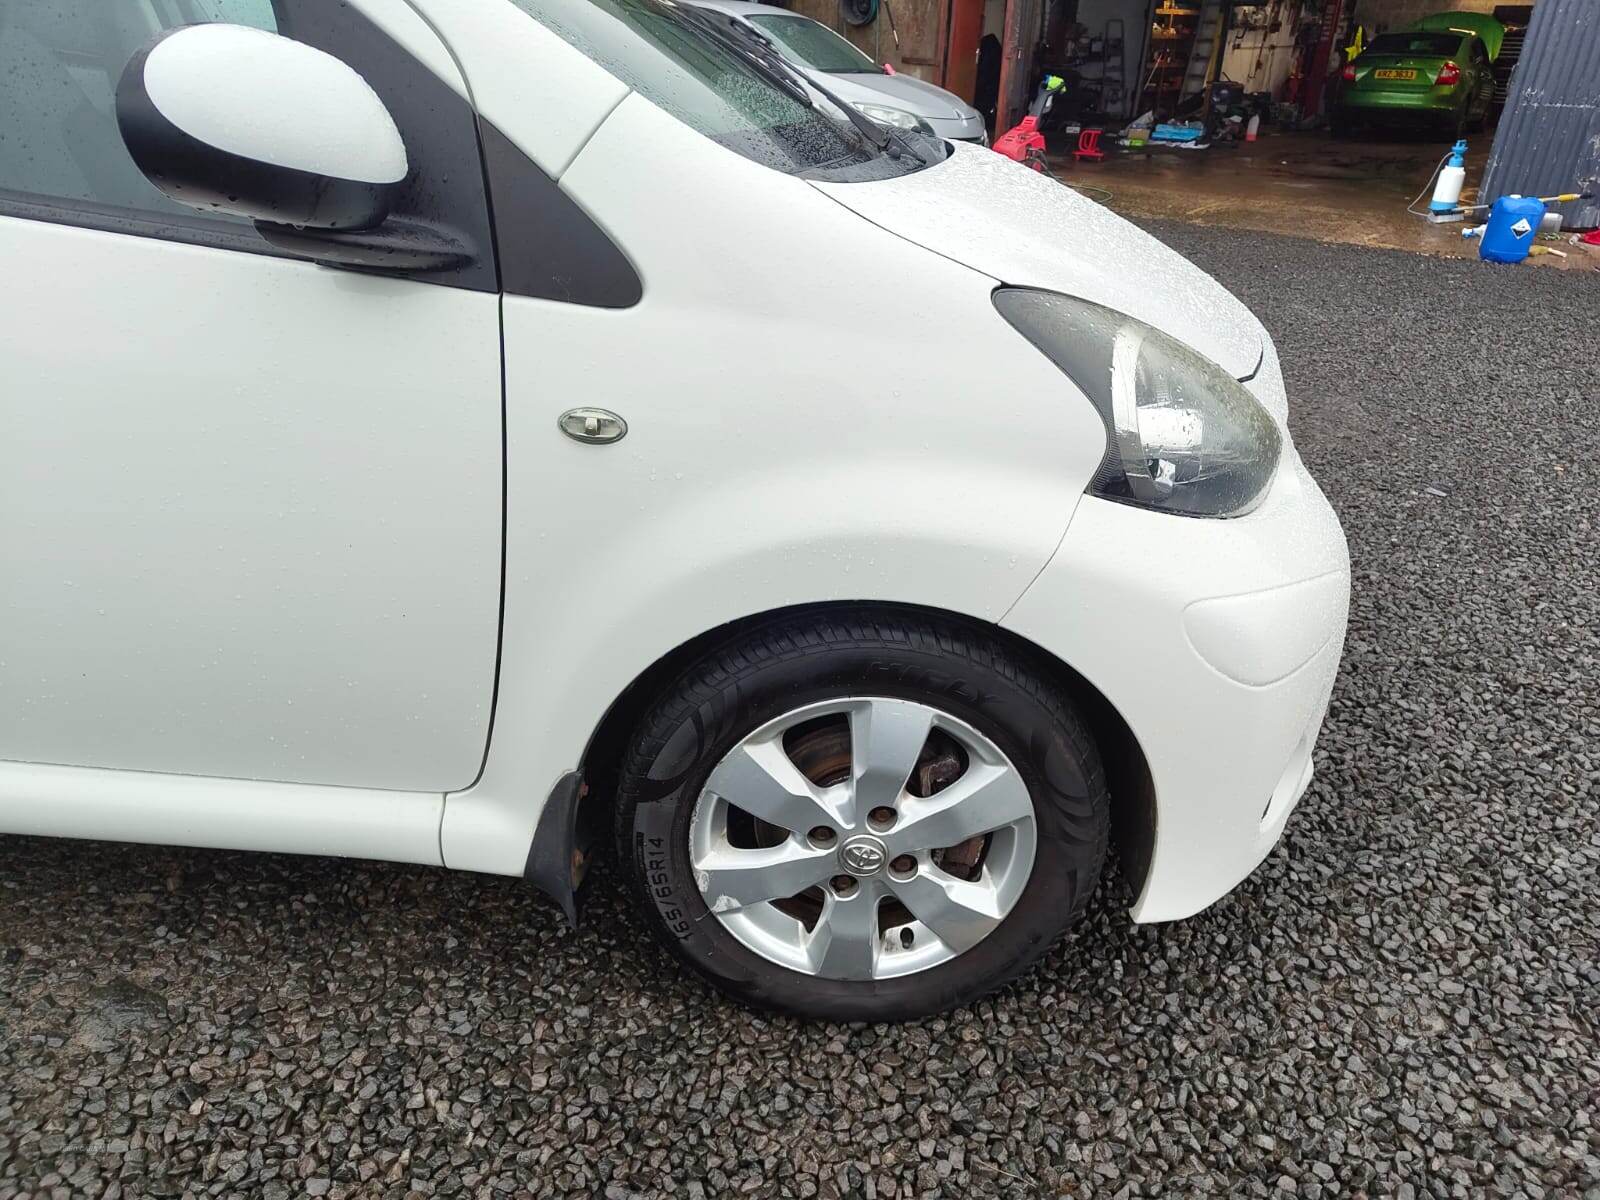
1301,184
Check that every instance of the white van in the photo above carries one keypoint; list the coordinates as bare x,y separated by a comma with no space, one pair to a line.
439,430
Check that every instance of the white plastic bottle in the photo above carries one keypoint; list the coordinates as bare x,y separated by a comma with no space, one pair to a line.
1447,192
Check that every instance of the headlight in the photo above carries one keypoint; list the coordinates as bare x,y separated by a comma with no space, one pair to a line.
895,118
1183,436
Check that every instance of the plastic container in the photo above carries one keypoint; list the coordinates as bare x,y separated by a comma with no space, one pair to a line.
1447,192
1508,234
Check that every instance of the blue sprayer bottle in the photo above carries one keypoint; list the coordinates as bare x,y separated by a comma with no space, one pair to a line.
1508,235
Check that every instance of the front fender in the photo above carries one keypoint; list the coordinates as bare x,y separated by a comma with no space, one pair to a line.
576,640
818,410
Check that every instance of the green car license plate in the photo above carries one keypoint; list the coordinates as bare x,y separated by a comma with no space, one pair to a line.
1382,73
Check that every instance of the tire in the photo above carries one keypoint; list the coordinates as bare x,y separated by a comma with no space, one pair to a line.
979,689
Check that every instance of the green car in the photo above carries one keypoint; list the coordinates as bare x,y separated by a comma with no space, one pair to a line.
1439,73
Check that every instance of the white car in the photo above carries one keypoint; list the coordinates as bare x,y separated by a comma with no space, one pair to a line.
891,98
435,430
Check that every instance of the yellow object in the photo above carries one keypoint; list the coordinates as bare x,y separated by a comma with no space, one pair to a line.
1357,46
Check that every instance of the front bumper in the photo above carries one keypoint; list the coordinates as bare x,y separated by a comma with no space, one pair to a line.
1217,641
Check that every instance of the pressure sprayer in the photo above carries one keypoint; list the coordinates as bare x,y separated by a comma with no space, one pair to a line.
1447,179
1446,206
1447,192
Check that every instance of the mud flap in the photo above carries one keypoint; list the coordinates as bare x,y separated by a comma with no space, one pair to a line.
559,856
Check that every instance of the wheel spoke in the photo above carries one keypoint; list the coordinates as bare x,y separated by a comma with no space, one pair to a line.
988,797
844,944
731,878
886,738
959,912
761,779
857,859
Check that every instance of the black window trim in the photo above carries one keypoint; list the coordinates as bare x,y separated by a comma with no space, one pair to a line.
108,218
550,248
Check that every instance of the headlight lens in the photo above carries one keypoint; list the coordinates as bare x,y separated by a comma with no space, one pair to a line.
895,118
1183,435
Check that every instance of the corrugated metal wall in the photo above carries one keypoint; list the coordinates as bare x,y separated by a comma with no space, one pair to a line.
1549,136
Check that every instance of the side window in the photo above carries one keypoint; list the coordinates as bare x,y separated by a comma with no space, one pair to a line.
61,153
60,61
237,12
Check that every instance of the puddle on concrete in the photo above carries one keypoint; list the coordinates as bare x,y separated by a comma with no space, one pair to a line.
1302,184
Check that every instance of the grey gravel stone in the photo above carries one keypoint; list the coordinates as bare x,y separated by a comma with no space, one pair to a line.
1401,1001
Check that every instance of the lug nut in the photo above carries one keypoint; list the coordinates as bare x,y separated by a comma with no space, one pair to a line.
843,885
821,835
881,817
904,864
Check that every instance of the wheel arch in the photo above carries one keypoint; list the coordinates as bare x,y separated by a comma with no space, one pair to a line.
1133,806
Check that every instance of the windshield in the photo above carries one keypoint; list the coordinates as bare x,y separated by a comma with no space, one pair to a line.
813,44
1431,45
666,55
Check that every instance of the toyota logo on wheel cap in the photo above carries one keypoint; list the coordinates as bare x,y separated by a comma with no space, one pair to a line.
863,855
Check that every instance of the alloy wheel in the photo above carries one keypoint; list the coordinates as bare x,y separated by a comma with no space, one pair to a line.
862,838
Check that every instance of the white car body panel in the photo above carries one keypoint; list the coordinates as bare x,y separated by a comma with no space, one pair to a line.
255,533
758,470
536,89
258,536
1025,229
1228,760
229,814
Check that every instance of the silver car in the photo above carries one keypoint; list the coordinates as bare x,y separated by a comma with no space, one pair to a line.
896,100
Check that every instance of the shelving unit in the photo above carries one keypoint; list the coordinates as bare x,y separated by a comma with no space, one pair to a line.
1171,39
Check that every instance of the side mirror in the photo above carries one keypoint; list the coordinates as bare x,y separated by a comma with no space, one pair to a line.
225,118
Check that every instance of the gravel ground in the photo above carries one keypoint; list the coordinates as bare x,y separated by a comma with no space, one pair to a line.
1402,1001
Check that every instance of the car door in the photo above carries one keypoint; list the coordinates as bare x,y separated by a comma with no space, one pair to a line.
250,506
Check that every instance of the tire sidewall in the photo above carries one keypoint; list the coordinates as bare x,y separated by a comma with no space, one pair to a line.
1044,742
